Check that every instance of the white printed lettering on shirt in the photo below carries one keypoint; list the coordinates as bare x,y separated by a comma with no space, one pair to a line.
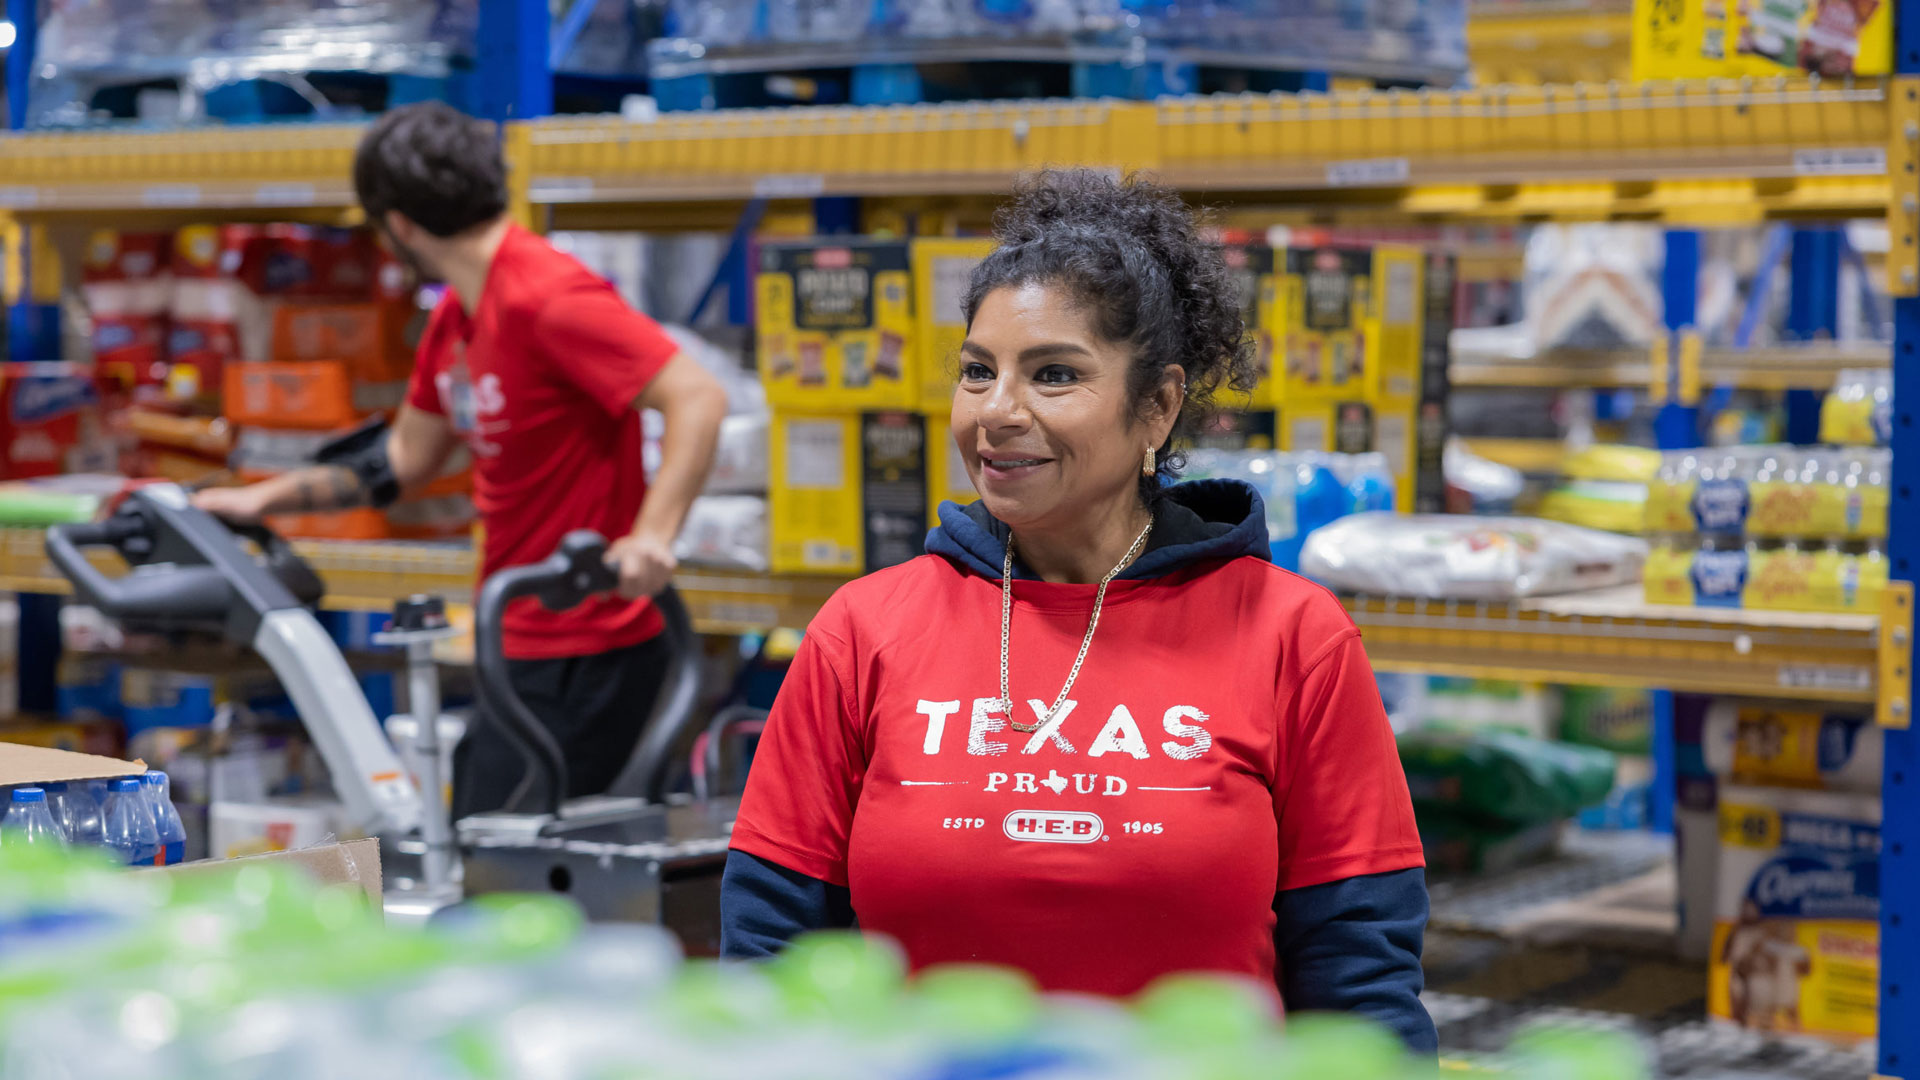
1202,741
936,713
1051,729
1121,735
984,722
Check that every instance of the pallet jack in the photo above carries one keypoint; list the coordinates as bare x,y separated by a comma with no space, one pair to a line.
631,854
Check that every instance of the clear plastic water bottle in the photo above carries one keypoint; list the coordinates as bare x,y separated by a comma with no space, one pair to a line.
28,820
77,814
129,823
166,819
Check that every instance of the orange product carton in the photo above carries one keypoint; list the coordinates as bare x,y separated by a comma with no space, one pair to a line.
312,394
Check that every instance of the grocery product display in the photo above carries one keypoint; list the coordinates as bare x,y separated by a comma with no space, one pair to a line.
517,986
1467,558
1770,527
1581,401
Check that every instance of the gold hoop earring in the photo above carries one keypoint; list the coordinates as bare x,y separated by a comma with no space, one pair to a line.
1146,468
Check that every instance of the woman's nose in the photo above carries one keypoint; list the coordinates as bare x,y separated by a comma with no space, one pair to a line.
1006,404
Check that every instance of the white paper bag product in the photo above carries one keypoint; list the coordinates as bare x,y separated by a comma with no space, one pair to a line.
1792,745
1796,942
1456,557
727,532
740,458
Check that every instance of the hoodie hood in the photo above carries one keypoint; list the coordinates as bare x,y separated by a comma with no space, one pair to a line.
1193,522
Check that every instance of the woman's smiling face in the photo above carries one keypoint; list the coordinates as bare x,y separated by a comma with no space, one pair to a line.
1042,415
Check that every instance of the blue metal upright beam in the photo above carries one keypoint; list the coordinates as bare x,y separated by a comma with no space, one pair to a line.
514,80
1813,314
1899,1035
1677,425
25,17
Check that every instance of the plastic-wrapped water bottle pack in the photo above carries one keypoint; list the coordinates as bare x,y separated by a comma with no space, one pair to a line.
259,973
1417,38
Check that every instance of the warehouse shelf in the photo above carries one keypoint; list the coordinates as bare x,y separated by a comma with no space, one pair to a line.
266,168
1611,638
1709,151
1706,151
1607,638
1811,366
1535,42
371,575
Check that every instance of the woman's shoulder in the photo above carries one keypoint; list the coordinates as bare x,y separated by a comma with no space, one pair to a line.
1300,606
902,598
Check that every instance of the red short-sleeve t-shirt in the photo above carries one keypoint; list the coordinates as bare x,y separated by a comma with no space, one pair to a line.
1225,741
541,383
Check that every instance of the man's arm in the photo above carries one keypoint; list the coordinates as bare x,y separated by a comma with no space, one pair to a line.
693,404
418,445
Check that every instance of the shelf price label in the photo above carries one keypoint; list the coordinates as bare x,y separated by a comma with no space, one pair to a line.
1368,172
170,195
283,195
1825,677
1840,161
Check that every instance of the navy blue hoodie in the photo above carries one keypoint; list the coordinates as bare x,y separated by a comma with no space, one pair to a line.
1346,946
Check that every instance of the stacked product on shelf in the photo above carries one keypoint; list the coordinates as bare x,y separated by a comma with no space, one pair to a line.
1301,491
294,978
1426,39
856,356
1770,527
1778,823
1489,800
855,335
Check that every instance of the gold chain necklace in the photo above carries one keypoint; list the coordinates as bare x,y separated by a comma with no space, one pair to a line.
1006,629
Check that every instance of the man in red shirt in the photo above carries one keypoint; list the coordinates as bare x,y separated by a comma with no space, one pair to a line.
540,368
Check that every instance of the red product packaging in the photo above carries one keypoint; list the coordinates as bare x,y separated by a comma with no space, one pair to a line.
126,282
45,420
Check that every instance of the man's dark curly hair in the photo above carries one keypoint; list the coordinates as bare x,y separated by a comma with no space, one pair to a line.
1130,253
433,163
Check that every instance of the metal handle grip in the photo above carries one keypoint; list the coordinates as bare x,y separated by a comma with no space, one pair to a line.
575,572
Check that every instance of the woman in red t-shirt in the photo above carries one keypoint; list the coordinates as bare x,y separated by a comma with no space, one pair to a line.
1095,733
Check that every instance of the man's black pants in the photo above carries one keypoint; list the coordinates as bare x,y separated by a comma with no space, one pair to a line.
595,706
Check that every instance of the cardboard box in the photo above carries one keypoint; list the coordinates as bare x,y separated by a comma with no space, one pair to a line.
1328,296
355,862
947,479
1251,265
314,394
370,337
23,764
835,322
942,271
1703,39
236,829
849,492
1440,285
1394,339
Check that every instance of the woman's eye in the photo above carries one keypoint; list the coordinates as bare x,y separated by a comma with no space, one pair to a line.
975,372
1055,375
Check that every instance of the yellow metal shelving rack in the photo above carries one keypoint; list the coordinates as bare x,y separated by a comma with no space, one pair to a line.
1692,153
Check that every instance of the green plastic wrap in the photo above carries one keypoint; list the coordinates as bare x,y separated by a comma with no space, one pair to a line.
1501,777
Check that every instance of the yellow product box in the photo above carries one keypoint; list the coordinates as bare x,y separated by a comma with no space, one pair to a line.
1357,427
1251,266
947,478
1787,744
1780,579
1327,295
1796,942
942,270
1701,39
1846,582
834,321
848,492
1667,576
1394,333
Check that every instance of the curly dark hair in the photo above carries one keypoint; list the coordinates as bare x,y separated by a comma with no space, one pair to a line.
1130,252
433,163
